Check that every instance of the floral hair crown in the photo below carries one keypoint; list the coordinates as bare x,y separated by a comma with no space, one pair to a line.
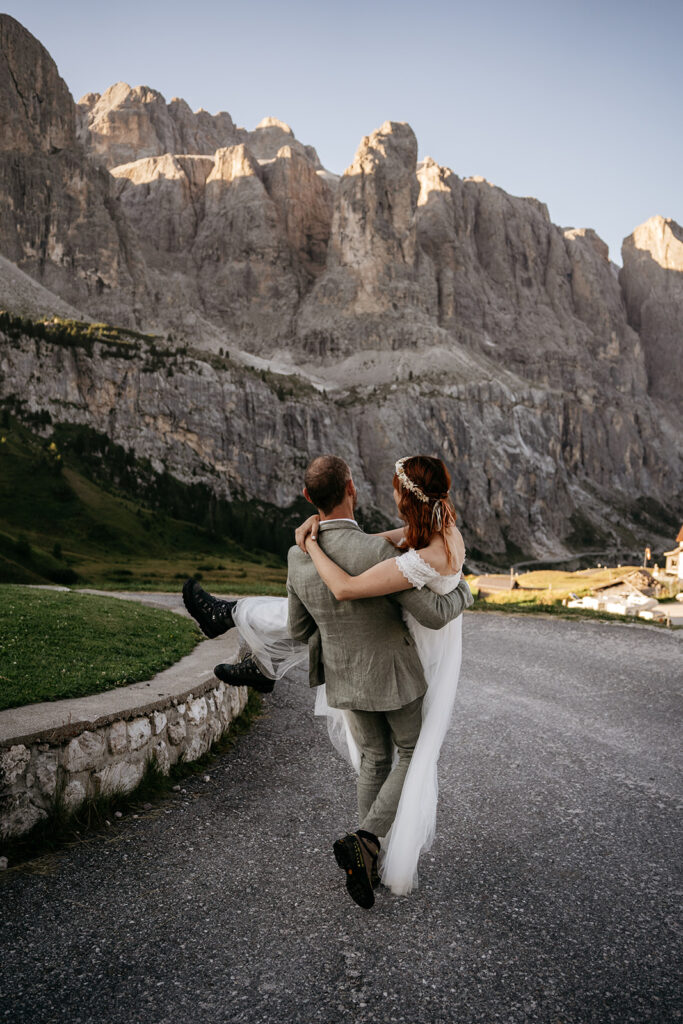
407,482
441,513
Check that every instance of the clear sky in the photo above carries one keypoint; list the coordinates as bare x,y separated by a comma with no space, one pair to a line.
576,102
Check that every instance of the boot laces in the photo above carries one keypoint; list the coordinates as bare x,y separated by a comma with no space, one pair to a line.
211,606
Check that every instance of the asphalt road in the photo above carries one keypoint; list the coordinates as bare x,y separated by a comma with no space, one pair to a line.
549,895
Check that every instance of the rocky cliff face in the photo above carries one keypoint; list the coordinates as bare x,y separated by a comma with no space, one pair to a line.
417,309
530,467
124,125
229,244
57,218
652,282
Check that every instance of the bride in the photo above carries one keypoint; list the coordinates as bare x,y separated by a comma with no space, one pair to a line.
430,552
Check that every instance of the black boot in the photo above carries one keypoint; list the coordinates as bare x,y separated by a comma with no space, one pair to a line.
244,673
356,854
213,617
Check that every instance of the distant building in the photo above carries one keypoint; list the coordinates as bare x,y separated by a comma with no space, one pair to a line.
674,558
641,579
625,600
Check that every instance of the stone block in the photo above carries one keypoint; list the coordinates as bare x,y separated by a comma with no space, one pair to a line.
74,794
196,711
159,721
236,700
118,776
19,814
177,731
197,746
13,764
161,755
84,752
139,733
118,737
46,772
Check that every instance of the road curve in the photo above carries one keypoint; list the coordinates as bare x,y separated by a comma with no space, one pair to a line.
548,896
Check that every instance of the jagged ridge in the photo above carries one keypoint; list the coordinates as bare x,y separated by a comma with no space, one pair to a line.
466,322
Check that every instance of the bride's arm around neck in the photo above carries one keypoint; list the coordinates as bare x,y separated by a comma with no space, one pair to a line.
384,578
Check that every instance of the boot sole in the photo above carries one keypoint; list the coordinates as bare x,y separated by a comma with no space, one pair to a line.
267,686
357,882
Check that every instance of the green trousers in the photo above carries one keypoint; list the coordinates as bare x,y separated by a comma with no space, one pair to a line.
377,734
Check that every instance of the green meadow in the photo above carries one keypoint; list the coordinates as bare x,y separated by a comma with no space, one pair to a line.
60,525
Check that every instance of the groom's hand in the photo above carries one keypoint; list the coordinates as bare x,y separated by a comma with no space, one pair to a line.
310,527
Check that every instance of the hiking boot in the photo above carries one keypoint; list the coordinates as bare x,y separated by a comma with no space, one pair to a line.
372,845
213,617
244,673
356,855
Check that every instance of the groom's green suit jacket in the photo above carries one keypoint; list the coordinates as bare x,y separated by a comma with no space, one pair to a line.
362,650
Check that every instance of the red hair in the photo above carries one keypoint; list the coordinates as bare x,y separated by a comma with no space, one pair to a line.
434,480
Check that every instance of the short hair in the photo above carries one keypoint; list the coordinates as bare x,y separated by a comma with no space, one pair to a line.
326,478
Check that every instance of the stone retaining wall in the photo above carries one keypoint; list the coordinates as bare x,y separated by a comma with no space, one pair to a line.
110,757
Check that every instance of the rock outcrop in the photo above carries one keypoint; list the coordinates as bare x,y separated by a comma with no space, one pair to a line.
652,282
125,124
229,245
371,296
57,218
268,138
232,225
416,309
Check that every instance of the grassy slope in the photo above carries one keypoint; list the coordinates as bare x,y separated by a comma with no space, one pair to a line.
56,645
550,585
56,525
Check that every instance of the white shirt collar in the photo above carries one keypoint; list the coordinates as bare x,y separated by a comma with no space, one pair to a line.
340,519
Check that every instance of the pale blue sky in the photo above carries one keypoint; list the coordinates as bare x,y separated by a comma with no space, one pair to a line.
577,102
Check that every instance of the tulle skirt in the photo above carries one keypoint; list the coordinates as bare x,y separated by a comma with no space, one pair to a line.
262,624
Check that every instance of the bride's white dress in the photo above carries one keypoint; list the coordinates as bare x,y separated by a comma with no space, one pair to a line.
262,624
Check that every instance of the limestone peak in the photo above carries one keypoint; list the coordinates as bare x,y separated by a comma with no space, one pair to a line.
274,122
591,237
233,162
660,237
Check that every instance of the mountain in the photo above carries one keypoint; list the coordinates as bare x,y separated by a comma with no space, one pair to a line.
397,308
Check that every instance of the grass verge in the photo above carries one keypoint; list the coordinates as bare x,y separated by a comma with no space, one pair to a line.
96,817
55,645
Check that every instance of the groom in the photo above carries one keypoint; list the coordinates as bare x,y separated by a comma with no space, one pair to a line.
364,653
370,665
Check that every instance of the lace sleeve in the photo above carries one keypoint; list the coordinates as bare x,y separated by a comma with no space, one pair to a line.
418,572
